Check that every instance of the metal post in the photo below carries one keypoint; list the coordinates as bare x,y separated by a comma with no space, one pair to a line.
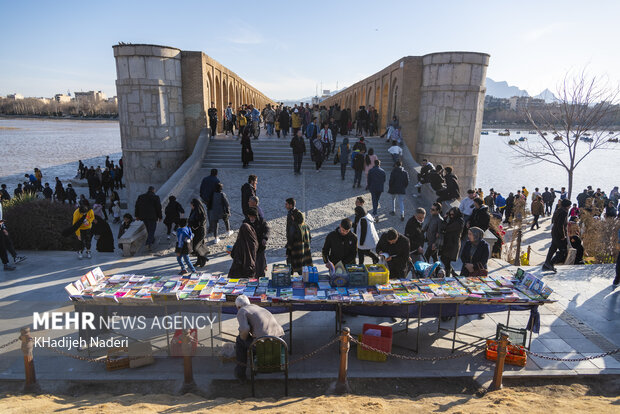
456,319
417,340
499,366
290,330
508,318
517,261
27,347
341,386
188,371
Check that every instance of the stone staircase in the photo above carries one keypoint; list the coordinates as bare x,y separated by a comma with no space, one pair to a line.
271,153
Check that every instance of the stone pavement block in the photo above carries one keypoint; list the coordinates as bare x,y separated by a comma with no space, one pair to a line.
538,346
546,364
556,345
605,362
582,345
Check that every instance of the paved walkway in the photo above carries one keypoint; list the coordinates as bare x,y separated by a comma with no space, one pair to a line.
584,321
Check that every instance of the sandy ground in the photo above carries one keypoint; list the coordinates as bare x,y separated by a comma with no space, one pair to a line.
501,401
597,395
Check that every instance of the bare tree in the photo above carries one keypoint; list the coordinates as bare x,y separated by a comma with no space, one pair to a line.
574,127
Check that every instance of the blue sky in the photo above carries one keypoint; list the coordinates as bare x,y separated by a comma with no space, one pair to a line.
286,48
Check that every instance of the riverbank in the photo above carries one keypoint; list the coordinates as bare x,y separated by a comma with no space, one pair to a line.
61,118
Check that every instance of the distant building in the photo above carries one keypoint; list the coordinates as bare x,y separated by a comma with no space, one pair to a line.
62,98
44,100
491,102
15,96
521,103
316,100
90,96
113,100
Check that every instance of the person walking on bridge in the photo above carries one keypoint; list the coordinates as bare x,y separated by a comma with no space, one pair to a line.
212,114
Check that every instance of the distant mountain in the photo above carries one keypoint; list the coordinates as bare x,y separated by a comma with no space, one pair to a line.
503,90
547,95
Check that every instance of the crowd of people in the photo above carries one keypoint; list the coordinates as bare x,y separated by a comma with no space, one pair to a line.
90,218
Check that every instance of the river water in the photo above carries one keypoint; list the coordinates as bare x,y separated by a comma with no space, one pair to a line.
55,146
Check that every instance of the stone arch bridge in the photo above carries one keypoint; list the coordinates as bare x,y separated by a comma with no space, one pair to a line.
164,94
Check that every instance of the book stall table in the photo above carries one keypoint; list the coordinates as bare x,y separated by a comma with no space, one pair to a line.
203,293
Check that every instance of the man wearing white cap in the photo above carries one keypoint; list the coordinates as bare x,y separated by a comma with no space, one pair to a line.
254,322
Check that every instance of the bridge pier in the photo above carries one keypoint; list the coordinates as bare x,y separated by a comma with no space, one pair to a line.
151,117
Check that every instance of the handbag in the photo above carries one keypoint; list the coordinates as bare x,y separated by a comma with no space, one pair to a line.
337,157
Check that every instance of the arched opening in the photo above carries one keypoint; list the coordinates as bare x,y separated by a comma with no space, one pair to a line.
217,99
377,97
220,112
363,97
369,96
209,88
394,100
355,103
384,105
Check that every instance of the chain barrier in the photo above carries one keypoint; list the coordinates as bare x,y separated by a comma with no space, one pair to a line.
615,351
9,343
302,358
78,357
414,358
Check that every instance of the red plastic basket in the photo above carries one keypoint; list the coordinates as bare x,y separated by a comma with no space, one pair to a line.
383,343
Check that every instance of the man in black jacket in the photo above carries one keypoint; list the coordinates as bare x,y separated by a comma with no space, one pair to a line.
148,209
212,113
451,191
480,217
248,190
395,248
435,178
414,232
423,176
558,235
548,198
299,149
399,180
340,245
261,228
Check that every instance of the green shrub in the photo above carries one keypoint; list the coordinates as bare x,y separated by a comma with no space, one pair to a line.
36,224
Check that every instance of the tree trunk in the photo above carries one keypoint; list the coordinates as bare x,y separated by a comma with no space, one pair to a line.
570,183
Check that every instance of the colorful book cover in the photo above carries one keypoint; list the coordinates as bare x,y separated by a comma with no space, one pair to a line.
546,292
216,296
529,280
310,291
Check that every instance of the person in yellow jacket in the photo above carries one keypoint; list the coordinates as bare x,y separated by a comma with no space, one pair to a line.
84,216
524,192
295,121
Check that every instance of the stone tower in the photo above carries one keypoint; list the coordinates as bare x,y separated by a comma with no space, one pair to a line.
151,118
451,109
